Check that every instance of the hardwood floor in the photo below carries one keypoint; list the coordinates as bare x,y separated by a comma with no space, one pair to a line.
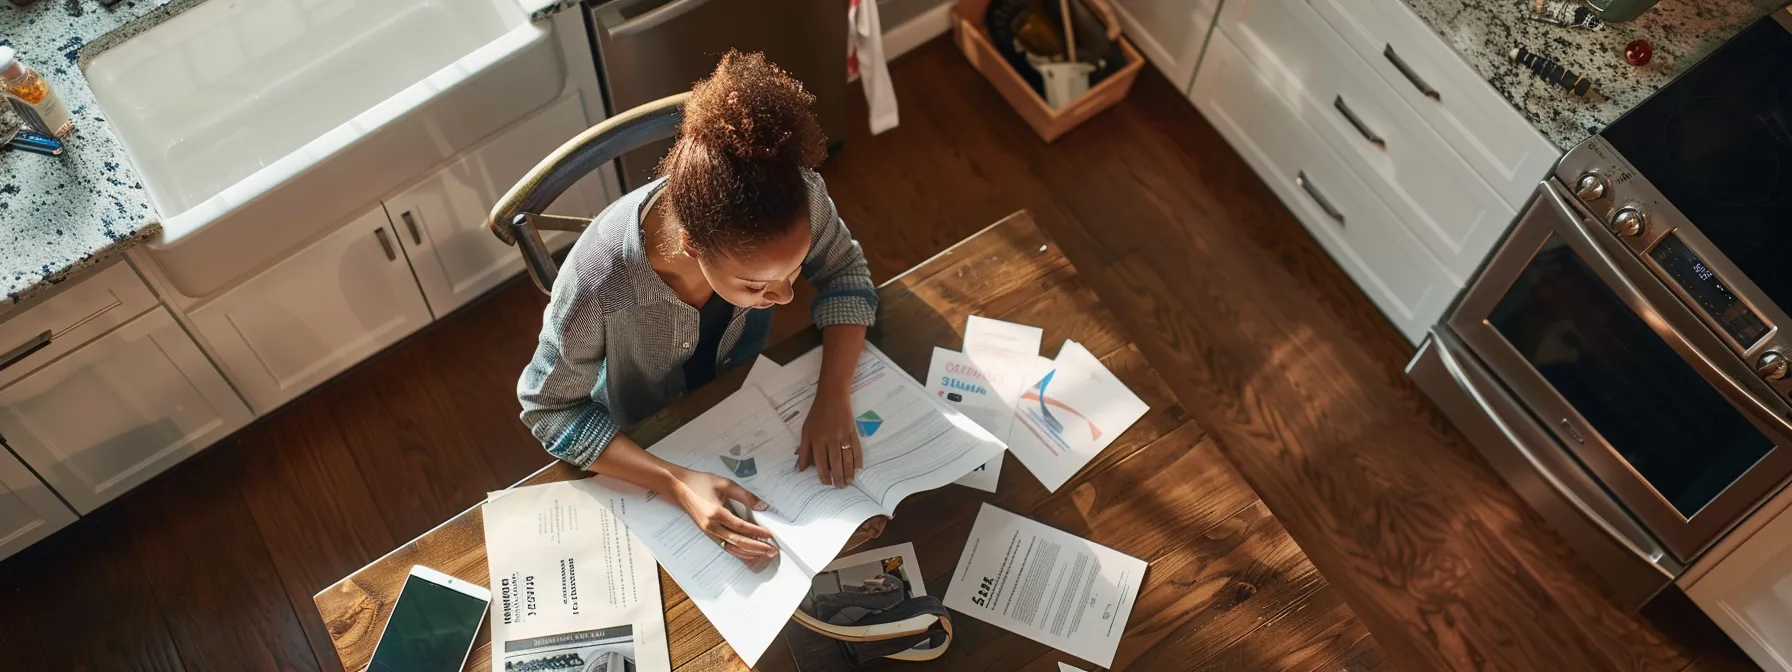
1260,337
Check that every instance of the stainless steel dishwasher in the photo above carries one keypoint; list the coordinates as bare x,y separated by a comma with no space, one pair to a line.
649,49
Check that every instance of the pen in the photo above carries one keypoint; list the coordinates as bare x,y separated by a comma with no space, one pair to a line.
35,142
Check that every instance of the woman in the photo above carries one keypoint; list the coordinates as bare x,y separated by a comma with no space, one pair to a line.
674,283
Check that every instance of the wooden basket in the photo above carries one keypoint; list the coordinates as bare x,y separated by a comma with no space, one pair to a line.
973,39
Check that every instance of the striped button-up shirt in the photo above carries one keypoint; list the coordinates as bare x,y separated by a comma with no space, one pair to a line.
614,337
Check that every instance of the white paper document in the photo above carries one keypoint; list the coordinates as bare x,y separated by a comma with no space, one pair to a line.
763,370
912,440
952,377
1067,667
971,387
569,582
748,608
1074,411
1048,585
1006,354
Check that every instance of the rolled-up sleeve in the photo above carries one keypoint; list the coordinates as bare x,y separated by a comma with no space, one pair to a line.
556,388
836,266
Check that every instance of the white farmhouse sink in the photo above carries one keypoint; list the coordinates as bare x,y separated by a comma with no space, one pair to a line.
260,124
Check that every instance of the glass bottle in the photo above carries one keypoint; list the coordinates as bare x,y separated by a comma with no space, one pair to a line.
27,85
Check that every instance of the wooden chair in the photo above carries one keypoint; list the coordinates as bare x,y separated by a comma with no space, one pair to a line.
518,219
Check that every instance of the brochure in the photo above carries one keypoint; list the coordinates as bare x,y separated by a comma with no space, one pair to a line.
1074,411
986,392
571,587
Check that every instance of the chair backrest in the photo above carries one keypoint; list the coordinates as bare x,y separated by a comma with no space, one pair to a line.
517,219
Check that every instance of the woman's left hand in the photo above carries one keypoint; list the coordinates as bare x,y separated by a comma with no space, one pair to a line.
831,440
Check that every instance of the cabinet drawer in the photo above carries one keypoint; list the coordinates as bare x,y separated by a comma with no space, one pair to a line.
1409,286
91,306
1441,199
1496,139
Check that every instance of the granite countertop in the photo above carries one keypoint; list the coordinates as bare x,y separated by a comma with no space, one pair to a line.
1682,32
62,215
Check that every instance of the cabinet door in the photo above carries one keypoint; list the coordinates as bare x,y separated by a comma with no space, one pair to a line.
442,219
28,510
315,314
118,410
1749,594
1169,32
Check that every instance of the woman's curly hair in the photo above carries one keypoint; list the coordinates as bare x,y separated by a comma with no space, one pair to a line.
735,179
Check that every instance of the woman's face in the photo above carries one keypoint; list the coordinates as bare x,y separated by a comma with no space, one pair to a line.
761,277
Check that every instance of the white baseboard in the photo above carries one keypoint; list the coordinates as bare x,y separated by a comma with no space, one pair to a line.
917,31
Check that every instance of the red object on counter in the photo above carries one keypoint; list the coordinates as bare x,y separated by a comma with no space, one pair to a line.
1638,52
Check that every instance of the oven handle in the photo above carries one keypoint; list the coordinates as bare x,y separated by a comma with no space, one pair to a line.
1620,283
1477,385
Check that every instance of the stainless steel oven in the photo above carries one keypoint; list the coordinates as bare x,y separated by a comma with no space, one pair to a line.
1622,359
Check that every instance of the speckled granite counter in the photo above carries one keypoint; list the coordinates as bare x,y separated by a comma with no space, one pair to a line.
59,216
1682,31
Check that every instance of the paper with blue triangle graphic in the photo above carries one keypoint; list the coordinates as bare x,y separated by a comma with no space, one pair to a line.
868,423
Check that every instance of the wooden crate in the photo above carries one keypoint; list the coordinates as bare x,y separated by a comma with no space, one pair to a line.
973,39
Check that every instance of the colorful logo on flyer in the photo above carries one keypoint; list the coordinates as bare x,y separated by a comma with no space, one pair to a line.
868,423
1042,415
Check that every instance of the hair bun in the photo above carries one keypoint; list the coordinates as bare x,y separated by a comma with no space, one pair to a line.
751,110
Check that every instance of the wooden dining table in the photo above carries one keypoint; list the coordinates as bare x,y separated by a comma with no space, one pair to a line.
1142,495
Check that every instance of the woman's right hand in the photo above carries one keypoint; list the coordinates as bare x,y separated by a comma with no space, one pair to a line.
704,497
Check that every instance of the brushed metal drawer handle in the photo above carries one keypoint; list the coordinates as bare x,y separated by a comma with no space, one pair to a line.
1350,116
1314,193
1406,70
25,349
411,223
385,244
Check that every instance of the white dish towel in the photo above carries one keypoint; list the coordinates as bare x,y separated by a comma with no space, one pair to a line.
865,56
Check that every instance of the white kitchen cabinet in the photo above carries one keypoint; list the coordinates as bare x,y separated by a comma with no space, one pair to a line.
1437,196
1353,225
120,408
1748,592
1171,33
314,314
1496,140
441,221
28,510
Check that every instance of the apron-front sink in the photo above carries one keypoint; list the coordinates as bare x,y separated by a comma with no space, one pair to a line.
260,124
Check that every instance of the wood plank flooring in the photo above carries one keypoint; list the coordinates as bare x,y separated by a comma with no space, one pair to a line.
1260,337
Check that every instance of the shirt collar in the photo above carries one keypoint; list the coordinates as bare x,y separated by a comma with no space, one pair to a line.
649,286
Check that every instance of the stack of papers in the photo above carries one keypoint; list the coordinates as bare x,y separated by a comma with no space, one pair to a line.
985,382
911,444
570,583
1054,415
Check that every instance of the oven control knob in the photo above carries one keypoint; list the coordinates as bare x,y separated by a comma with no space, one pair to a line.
1591,187
1772,365
1629,221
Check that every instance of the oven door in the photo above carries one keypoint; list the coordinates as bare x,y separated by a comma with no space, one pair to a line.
1642,393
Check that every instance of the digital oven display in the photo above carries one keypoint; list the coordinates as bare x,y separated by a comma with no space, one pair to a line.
1691,273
